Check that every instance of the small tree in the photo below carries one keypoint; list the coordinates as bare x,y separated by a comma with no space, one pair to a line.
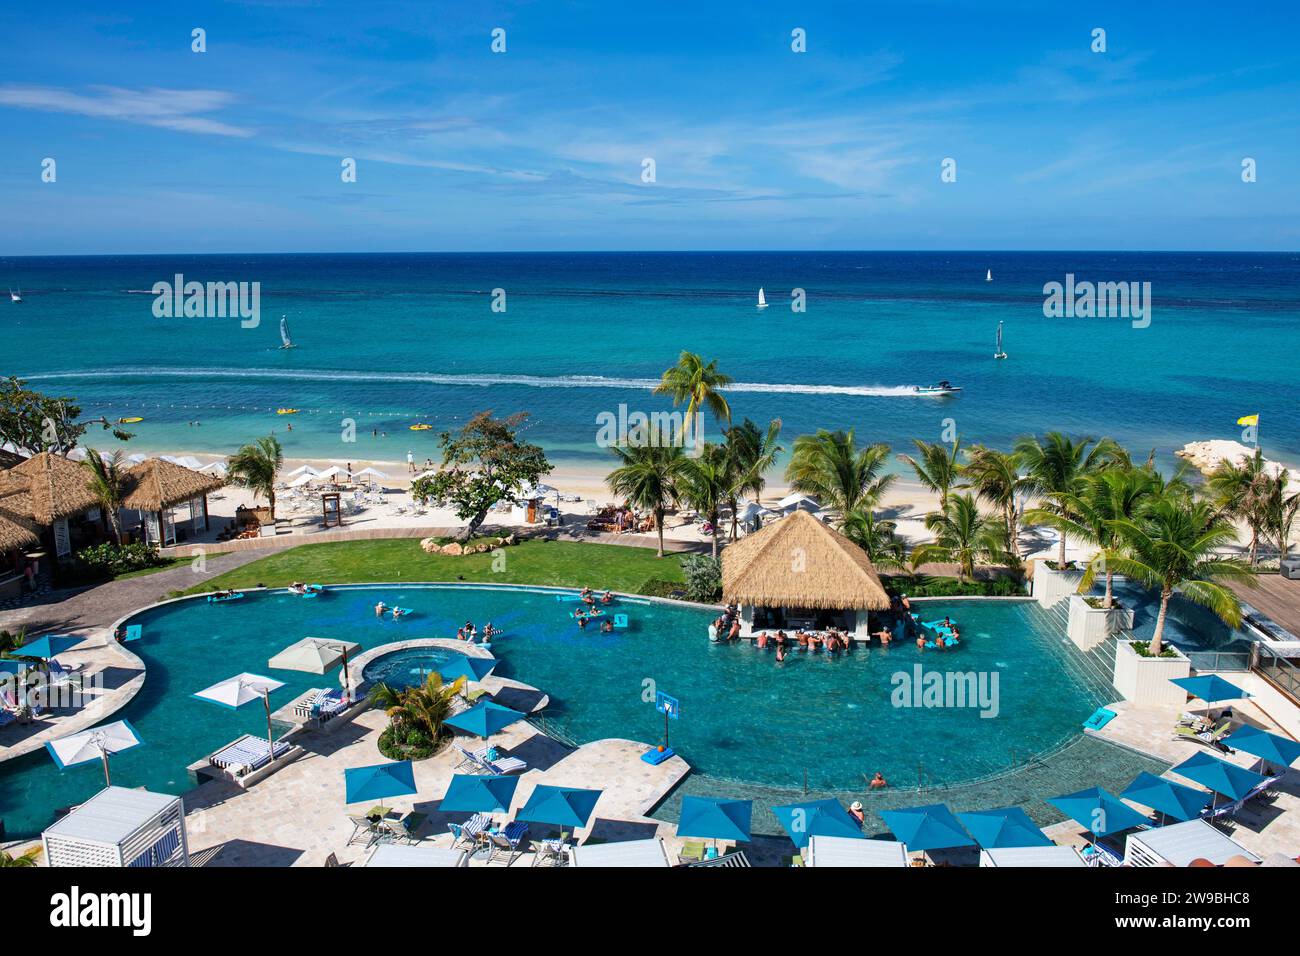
647,476
481,465
108,483
255,467
33,423
703,577
964,536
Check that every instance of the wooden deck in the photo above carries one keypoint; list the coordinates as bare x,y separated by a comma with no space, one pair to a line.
1277,597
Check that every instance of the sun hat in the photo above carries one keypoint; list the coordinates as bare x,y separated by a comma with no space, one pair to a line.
856,805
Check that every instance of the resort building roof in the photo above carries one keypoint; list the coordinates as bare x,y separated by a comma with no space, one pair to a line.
46,487
799,561
156,484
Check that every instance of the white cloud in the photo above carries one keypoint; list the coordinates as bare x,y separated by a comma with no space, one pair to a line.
152,106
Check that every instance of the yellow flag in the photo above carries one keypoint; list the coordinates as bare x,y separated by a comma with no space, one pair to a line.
1248,420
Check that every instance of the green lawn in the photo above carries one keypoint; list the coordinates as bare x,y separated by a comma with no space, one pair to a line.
559,563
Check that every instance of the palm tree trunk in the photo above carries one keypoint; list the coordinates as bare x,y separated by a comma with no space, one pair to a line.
1156,646
270,497
659,526
116,525
713,519
734,525
1110,590
1061,559
1013,536
1254,546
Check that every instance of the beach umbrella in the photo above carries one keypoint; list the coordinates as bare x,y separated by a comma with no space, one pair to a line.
190,462
470,668
235,692
315,655
559,806
1001,828
94,744
752,510
1171,799
1210,688
816,818
1220,776
1100,812
474,793
49,646
931,827
216,467
378,781
484,719
712,818
370,474
302,470
1279,750
798,502
302,480
334,471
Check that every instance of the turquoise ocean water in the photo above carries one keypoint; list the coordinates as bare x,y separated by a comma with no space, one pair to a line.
390,340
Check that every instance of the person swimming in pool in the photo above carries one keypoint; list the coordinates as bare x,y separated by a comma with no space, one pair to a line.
607,597
780,651
878,782
380,609
606,626
399,613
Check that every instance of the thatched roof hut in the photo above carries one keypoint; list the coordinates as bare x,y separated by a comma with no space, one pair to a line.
799,562
46,488
155,485
17,533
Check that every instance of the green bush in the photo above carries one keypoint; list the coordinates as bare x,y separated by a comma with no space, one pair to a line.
413,744
108,560
703,575
926,585
658,587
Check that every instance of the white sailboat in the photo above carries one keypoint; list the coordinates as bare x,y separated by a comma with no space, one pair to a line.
988,276
16,296
287,343
762,299
998,353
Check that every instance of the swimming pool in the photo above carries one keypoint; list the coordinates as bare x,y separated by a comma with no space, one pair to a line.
744,717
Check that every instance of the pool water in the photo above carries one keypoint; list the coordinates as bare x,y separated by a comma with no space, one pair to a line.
1189,627
743,716
408,667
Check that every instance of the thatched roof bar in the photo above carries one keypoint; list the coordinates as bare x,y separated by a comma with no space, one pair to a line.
154,485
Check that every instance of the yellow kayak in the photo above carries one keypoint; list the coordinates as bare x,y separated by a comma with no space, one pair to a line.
129,421
286,411
420,427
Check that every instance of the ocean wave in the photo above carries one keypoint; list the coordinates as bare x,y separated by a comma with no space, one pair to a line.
481,380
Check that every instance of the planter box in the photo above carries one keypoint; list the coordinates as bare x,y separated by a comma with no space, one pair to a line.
1089,626
1051,585
1145,680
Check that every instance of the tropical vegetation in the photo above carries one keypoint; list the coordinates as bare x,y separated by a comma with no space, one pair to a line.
255,466
416,716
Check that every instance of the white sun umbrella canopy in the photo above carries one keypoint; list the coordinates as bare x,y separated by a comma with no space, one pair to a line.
190,462
315,655
752,510
302,470
334,471
214,467
235,692
798,502
370,474
98,743
302,480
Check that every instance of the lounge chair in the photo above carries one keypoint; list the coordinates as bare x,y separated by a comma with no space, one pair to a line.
363,830
246,754
505,765
467,833
1211,738
736,858
402,830
550,853
508,841
692,851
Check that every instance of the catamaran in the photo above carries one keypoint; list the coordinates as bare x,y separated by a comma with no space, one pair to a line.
762,299
988,276
16,296
287,343
941,388
998,353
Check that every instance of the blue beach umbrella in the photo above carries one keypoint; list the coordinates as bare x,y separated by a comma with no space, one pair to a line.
931,827
380,780
484,719
468,793
49,646
1275,749
1004,827
715,819
470,668
817,818
1220,776
1171,799
1210,688
1101,812
559,806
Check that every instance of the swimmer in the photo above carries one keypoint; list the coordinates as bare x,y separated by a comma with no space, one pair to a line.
398,612
582,621
607,626
380,608
460,634
855,811
878,782
780,652
607,597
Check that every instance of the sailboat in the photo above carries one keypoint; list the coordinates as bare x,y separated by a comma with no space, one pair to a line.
999,354
16,296
762,299
988,276
284,334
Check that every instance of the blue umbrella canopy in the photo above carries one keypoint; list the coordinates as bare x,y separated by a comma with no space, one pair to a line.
49,646
932,827
379,780
1004,827
1101,812
1171,799
1261,743
470,668
1219,775
484,719
469,793
817,818
559,806
13,667
715,819
1210,688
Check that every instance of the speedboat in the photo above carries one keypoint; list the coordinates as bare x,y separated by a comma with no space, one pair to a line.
940,388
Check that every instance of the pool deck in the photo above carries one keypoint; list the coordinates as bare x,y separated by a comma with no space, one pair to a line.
1276,596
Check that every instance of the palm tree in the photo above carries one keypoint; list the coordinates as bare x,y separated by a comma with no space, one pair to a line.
1056,464
22,860
964,536
936,467
1240,491
108,484
423,706
1116,494
1174,543
830,467
698,385
255,466
648,476
704,484
750,455
1279,510
876,537
995,476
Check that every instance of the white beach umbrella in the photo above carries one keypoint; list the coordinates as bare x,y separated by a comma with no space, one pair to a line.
168,458
302,470
216,467
752,510
235,692
94,744
426,474
189,461
77,454
315,655
302,480
333,471
372,472
798,501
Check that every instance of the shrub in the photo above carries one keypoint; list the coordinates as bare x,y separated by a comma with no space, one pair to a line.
930,586
108,560
410,744
703,575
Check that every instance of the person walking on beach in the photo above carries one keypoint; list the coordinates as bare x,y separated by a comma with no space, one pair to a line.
410,462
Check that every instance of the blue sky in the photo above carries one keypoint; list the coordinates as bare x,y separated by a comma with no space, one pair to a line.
756,147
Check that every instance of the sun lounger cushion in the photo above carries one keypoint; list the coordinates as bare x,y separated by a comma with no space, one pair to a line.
250,752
